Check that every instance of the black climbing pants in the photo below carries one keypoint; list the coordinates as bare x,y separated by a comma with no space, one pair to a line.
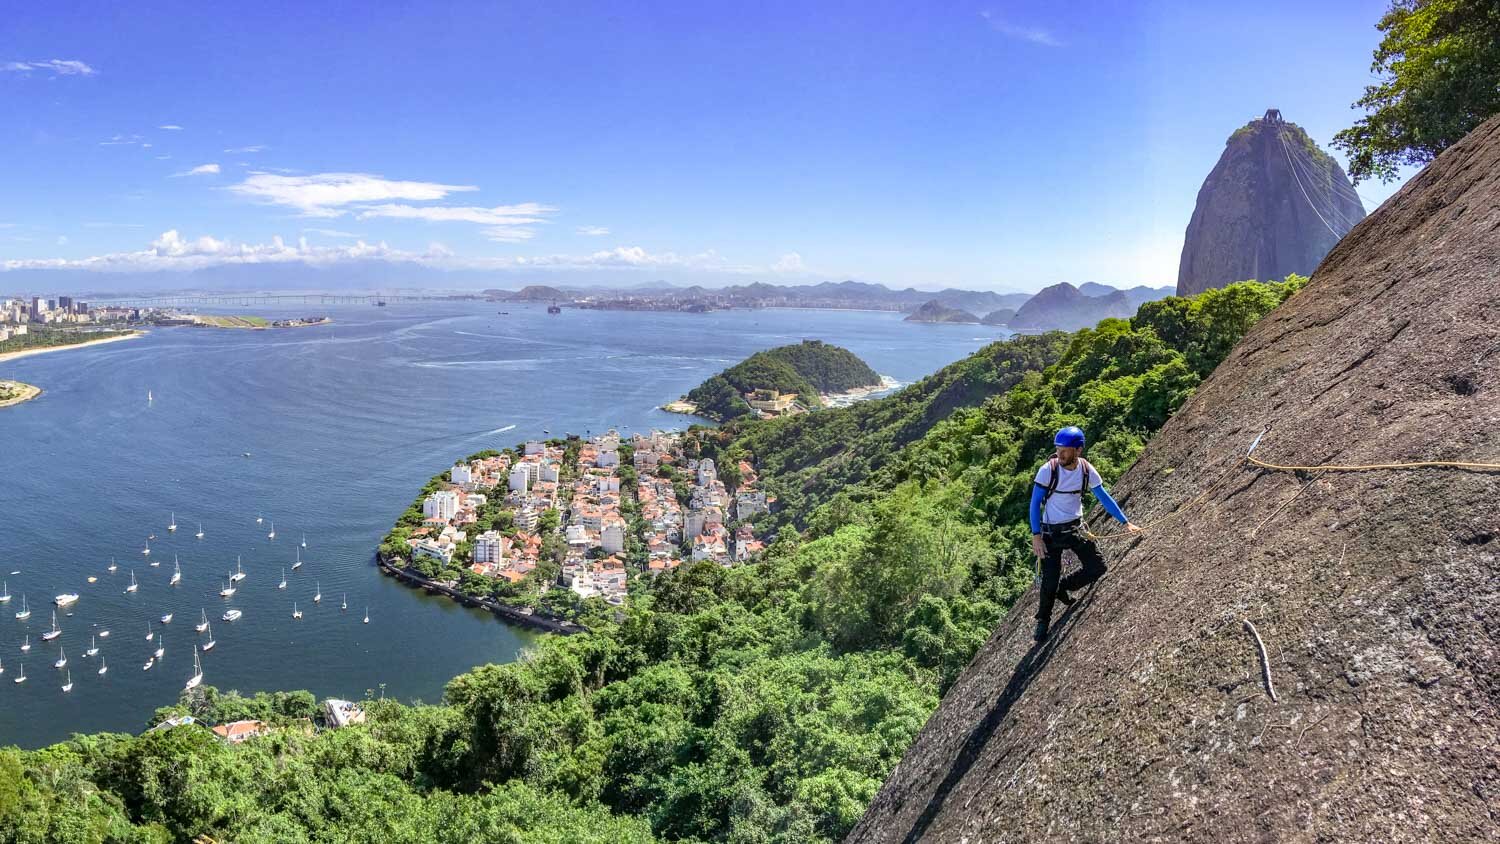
1088,554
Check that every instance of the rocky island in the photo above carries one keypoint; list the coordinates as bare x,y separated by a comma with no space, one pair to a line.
783,381
935,311
15,392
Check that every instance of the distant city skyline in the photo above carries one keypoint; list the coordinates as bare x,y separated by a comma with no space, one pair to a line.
1000,147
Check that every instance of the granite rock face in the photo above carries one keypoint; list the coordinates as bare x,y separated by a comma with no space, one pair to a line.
1274,204
1146,715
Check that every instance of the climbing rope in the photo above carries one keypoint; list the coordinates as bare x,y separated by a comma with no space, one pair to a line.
1250,460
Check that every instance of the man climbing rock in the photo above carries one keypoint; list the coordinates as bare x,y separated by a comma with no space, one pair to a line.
1056,519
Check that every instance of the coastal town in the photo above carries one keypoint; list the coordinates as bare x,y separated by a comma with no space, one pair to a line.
551,525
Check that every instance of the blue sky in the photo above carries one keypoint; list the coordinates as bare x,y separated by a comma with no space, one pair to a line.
989,146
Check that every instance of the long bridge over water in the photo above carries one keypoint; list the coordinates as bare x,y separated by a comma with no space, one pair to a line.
252,299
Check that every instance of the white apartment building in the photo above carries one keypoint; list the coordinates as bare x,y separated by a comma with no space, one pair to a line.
441,505
489,547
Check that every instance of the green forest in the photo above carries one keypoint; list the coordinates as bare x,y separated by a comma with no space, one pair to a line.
807,369
46,338
762,703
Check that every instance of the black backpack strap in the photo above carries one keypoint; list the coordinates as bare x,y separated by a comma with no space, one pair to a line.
1051,482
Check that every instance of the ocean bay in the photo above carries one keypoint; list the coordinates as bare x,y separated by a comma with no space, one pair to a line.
343,423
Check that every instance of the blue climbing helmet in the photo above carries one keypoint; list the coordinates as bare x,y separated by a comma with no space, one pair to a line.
1069,437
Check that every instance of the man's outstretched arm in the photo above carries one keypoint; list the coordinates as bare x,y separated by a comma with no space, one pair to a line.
1110,507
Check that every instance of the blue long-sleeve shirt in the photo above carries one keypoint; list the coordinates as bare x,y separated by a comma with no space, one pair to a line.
1038,492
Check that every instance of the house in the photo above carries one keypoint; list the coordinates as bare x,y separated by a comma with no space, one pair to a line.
520,478
489,547
342,713
432,549
178,721
612,537
771,401
461,474
236,732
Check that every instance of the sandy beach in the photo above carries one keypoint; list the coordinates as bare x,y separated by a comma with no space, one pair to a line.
8,356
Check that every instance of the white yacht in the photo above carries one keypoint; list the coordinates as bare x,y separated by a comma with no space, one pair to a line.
104,634
272,534
93,647
226,591
202,625
21,678
367,615
54,632
133,585
147,549
304,540
258,519
150,661
209,645
26,643
5,595
176,573
282,584
150,632
232,615
62,659
296,613
161,647
166,619
25,612
103,666
239,572
298,563
112,565
318,596
172,528
66,599
344,602
199,534
68,686
197,673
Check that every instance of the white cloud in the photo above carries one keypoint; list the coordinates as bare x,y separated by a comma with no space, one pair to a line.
59,67
242,150
170,127
1032,34
172,251
122,141
62,240
592,231
201,170
504,223
791,262
325,194
330,232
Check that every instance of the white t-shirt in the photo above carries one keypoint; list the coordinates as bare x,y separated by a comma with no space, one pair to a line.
1066,502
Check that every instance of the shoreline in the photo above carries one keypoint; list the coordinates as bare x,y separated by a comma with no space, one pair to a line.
6,357
506,614
28,392
200,321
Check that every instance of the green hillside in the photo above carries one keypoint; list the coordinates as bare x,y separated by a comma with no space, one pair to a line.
807,369
762,703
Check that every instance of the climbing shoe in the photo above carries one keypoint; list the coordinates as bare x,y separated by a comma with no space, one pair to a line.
1041,632
1067,600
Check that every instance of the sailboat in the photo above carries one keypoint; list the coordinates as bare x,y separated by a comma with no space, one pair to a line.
176,572
62,659
209,645
296,613
148,397
112,566
304,540
93,647
104,634
103,666
133,585
199,534
25,612
344,603
150,661
2,666
21,678
258,519
54,632
202,625
5,595
161,647
173,526
282,584
226,591
239,573
272,534
166,619
367,614
197,673
68,686
298,564
26,643
147,549
150,632
318,596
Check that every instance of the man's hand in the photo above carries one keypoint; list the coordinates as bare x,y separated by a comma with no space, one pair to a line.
1038,547
1132,527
